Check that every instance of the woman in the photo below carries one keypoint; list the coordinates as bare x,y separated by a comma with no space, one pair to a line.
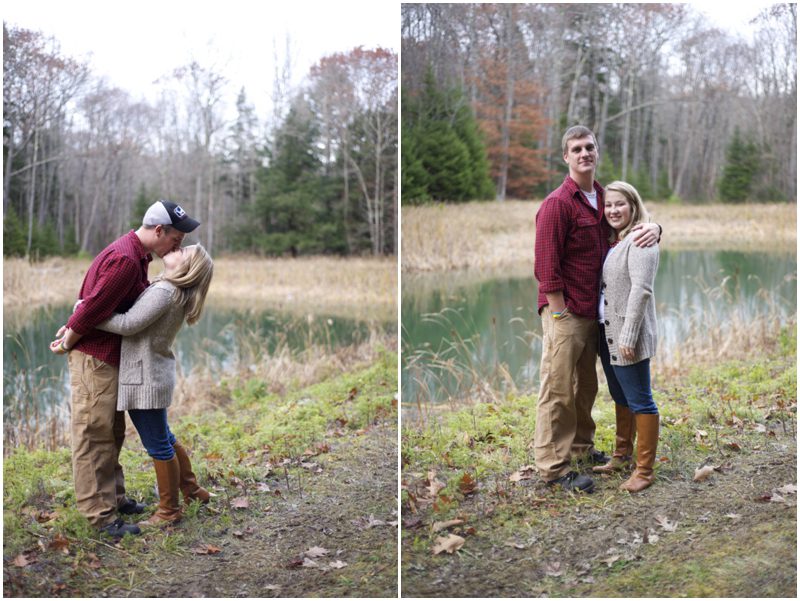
628,336
147,370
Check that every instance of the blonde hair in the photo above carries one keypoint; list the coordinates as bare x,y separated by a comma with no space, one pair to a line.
638,212
192,279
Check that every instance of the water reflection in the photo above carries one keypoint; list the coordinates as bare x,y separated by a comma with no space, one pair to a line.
36,382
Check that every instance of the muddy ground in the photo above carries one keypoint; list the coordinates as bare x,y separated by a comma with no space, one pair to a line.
330,532
733,535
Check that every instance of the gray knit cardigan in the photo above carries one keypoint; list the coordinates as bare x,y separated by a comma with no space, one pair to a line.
629,275
147,366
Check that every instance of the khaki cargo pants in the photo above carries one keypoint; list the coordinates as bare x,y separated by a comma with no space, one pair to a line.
98,431
564,424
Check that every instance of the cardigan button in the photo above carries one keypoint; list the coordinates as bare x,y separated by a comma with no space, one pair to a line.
614,357
608,322
610,341
605,302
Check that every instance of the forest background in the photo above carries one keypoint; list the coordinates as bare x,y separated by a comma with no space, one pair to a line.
681,109
83,159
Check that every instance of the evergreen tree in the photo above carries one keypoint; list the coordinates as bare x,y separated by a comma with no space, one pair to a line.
293,212
446,144
140,206
741,166
14,237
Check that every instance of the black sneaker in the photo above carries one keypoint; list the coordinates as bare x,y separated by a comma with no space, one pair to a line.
574,482
118,528
129,507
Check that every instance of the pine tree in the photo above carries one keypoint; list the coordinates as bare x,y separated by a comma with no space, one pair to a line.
446,144
741,166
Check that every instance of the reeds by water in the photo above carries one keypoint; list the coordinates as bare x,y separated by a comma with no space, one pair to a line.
30,423
726,326
489,235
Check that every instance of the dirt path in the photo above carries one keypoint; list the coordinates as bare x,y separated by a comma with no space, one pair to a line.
344,505
732,535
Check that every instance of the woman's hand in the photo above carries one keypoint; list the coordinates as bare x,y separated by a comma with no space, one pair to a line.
627,352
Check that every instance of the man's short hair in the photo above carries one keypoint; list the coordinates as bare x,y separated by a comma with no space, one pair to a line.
575,132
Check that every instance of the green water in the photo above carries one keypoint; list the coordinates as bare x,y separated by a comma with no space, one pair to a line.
36,382
456,334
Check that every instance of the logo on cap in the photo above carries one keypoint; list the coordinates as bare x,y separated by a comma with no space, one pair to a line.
179,212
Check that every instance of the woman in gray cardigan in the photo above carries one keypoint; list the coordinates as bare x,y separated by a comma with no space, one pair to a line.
147,370
628,336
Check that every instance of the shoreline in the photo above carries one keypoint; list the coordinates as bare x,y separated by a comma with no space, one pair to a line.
358,288
486,236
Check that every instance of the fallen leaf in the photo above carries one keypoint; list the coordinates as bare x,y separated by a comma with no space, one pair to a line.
262,487
24,559
59,543
610,561
524,473
337,565
702,473
94,561
553,569
434,485
240,503
776,498
45,516
789,489
467,484
309,563
668,526
315,552
449,544
732,516
733,446
437,526
206,550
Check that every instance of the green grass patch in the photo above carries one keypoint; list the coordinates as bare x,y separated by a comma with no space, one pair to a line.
260,438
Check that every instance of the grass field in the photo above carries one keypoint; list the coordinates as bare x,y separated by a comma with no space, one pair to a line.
488,235
358,288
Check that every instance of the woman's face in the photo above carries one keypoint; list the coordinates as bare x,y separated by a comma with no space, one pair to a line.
172,260
618,210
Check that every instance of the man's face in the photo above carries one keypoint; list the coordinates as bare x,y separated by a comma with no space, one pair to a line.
166,242
581,156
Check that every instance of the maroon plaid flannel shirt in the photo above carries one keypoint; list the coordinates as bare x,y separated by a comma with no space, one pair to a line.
571,243
115,279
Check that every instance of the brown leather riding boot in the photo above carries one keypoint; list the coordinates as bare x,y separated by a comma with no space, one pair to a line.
643,476
189,487
623,450
169,508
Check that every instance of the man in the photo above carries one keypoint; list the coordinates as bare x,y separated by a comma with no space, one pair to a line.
571,243
114,280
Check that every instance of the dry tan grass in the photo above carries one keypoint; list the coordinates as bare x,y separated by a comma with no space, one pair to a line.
489,235
360,288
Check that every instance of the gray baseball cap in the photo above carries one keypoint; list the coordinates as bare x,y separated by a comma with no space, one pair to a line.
164,212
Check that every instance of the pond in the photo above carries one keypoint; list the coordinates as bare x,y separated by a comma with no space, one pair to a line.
456,334
36,382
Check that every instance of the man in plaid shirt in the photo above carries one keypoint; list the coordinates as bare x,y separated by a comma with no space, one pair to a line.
115,279
571,244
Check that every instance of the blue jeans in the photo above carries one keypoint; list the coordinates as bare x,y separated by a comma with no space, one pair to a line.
151,424
629,385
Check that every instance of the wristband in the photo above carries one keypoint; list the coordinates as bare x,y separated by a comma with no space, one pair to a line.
63,346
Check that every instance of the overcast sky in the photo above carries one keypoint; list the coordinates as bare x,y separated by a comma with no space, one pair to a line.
134,43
